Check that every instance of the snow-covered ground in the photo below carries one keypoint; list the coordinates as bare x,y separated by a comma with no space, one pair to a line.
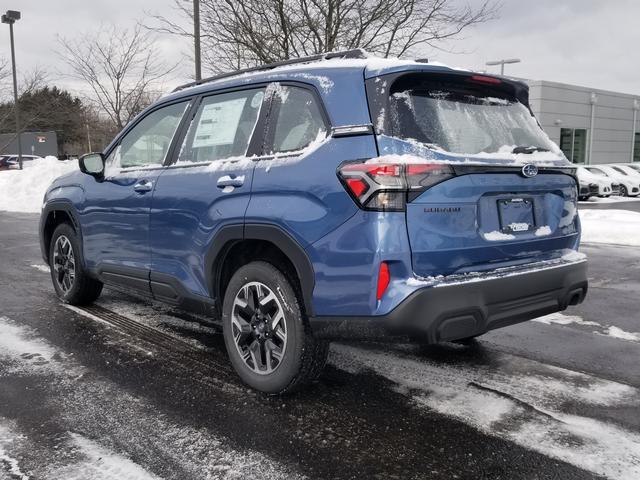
620,227
78,457
23,190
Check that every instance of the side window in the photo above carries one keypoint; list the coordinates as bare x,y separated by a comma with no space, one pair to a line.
222,126
298,120
148,142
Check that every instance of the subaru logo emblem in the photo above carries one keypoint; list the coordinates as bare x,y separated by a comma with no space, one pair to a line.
529,170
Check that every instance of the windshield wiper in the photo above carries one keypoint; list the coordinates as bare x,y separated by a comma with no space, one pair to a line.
529,150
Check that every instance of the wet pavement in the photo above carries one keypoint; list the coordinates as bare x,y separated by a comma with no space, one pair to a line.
130,389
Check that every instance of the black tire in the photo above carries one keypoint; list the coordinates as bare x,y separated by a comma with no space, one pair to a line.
623,191
81,289
302,355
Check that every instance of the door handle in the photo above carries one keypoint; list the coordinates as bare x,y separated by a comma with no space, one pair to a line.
230,181
143,186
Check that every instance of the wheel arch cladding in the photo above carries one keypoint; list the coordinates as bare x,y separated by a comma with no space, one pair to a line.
281,245
53,215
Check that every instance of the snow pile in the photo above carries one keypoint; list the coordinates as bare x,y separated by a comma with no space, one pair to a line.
620,227
23,190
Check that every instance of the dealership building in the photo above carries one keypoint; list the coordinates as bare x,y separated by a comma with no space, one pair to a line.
591,126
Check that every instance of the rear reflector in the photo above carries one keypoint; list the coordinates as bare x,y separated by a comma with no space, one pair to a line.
383,280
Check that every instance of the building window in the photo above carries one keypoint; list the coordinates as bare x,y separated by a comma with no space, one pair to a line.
573,143
636,148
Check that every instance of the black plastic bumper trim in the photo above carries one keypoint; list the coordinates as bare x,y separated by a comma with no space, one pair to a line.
462,310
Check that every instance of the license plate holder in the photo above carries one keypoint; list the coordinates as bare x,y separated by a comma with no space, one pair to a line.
516,215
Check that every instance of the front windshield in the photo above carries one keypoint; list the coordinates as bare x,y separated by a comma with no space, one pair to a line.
465,120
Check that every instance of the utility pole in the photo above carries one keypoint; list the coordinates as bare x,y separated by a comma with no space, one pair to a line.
196,38
502,63
10,18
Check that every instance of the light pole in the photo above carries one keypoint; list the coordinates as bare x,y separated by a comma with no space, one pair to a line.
502,63
10,18
636,107
196,38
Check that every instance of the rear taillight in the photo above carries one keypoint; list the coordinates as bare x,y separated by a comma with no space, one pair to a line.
388,186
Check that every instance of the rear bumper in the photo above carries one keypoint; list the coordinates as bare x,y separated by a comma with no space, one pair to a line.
460,308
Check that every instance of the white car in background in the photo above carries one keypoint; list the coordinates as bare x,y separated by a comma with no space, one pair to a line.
629,185
628,169
591,184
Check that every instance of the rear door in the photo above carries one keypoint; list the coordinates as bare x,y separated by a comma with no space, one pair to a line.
115,212
505,194
207,187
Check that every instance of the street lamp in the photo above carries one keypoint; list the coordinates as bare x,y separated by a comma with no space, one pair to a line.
502,63
10,18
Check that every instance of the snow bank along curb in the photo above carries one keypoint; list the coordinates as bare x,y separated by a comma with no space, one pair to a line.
23,190
620,227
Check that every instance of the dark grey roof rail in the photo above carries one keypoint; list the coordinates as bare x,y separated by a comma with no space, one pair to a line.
355,53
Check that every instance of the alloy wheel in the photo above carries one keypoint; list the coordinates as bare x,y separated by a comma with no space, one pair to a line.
258,327
64,264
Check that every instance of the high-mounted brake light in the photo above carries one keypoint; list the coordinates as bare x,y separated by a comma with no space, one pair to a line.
485,79
384,277
388,186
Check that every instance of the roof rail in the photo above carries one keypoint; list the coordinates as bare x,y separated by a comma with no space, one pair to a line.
355,53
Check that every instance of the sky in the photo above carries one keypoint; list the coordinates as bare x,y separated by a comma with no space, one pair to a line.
592,43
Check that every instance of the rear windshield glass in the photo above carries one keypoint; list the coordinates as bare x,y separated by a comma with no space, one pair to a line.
463,118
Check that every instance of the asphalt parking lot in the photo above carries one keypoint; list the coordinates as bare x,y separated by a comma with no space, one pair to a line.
130,389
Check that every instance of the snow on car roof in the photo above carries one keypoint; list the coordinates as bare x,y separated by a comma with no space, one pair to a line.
319,72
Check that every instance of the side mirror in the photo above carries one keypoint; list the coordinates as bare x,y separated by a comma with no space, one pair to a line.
92,164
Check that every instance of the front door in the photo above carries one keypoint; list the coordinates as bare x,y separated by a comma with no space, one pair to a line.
115,213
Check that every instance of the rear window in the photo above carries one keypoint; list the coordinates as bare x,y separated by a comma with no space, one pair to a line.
298,121
462,117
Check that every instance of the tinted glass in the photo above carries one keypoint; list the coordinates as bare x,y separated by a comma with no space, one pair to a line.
299,119
148,142
222,127
462,118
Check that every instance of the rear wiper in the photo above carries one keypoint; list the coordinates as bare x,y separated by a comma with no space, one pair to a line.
529,150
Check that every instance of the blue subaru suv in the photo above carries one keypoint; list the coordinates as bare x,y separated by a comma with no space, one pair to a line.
331,197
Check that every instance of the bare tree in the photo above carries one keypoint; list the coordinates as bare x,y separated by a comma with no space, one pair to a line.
5,76
123,70
239,33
